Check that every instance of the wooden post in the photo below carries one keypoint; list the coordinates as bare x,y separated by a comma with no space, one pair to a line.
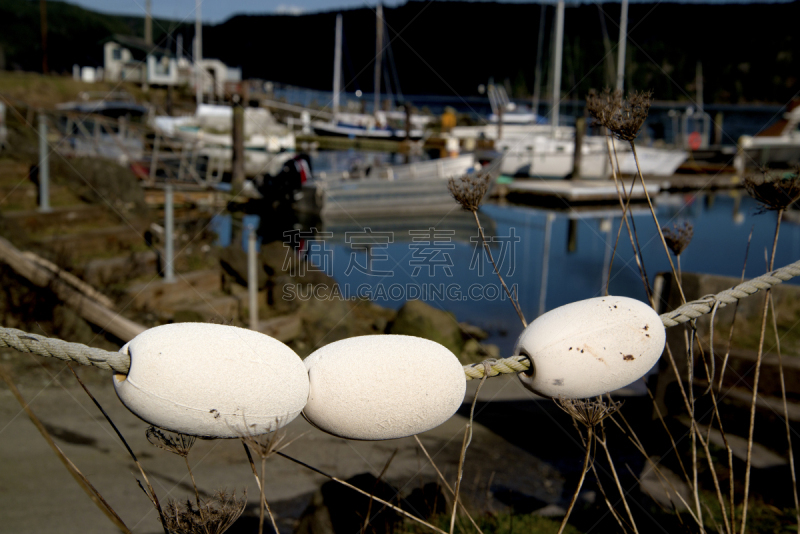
580,128
238,144
718,128
74,298
500,122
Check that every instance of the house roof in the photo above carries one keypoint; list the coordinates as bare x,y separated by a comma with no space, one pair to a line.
137,44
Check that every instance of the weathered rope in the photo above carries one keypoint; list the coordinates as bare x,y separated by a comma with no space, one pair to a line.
696,308
687,312
71,352
120,363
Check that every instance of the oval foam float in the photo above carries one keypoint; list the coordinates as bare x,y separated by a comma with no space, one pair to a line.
591,347
382,387
212,380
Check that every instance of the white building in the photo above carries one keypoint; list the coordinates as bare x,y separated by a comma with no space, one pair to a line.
217,75
132,59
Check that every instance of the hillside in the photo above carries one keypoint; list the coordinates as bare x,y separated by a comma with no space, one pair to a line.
749,52
75,35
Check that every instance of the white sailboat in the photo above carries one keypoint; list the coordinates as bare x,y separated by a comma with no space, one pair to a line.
379,125
548,151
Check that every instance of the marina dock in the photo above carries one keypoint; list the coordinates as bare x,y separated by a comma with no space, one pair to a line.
533,191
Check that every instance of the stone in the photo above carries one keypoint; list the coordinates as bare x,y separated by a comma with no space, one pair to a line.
418,319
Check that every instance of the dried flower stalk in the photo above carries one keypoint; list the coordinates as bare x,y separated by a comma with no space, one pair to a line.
774,190
678,237
469,189
211,516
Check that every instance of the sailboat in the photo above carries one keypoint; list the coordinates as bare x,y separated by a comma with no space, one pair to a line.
548,151
379,125
550,154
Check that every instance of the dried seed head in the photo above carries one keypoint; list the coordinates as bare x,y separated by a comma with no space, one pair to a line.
604,105
678,237
588,412
265,445
179,444
629,116
469,189
774,190
212,516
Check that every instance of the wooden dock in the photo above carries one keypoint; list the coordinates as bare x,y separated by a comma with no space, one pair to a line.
534,191
574,191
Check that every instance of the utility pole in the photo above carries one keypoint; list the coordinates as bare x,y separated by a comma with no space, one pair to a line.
148,24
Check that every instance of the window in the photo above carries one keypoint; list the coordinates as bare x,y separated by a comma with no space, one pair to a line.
116,54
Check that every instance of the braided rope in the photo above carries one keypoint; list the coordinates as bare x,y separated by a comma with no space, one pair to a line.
63,350
687,312
120,363
696,308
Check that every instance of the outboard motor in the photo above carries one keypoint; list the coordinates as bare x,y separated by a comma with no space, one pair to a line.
281,187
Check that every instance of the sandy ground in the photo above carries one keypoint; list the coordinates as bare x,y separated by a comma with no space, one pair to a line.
37,494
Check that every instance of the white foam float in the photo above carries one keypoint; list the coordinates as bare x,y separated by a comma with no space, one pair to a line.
591,347
382,387
212,380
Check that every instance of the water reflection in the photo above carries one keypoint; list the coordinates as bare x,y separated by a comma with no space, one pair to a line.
550,256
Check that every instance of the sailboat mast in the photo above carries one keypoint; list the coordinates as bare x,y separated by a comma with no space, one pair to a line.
198,51
538,73
623,40
557,67
378,55
337,64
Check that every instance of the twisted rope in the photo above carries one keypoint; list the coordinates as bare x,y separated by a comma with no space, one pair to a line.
71,352
120,363
696,308
687,312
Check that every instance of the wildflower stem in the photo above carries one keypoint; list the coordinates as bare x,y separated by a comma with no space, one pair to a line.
511,297
655,218
785,412
152,495
465,444
756,377
194,484
624,205
79,477
604,444
446,485
264,502
590,431
359,490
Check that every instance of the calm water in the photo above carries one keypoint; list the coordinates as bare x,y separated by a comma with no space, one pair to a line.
440,262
